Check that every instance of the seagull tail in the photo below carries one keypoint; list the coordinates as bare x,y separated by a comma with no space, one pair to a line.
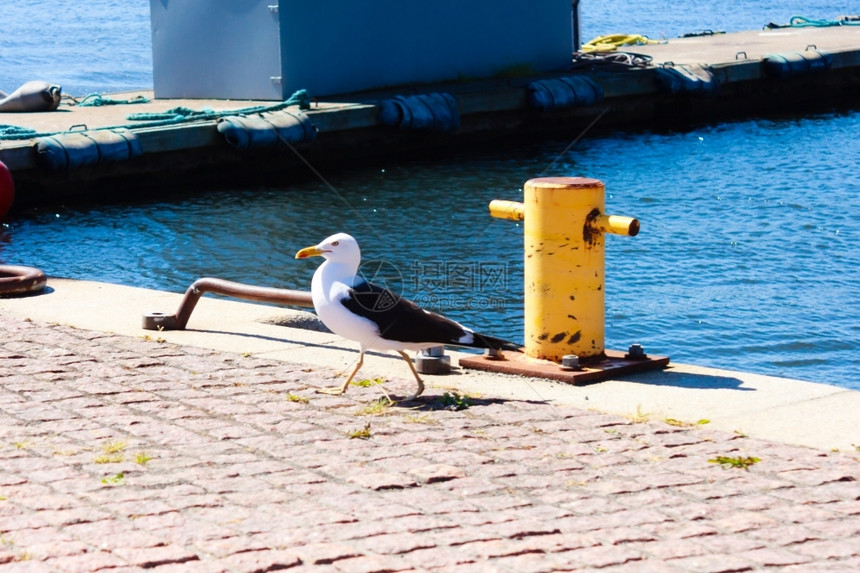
487,341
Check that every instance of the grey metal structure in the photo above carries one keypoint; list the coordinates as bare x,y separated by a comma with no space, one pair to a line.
256,49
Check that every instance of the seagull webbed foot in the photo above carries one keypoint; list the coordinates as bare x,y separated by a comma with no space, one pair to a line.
338,390
333,391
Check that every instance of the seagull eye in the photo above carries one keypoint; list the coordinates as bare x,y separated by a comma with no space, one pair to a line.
335,243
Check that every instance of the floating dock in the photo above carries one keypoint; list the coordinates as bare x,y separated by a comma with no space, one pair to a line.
681,81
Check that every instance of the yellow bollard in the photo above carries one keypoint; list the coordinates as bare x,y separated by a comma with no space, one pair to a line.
564,285
564,264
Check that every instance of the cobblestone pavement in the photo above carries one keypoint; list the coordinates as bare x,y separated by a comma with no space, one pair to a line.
124,454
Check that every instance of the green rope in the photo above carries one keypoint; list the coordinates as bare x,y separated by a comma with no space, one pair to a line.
183,114
98,100
173,116
176,114
802,22
15,132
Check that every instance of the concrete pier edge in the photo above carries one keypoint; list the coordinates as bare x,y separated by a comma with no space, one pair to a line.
784,410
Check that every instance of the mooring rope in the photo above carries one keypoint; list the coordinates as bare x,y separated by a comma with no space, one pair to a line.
609,60
173,116
15,132
614,41
183,114
98,100
802,22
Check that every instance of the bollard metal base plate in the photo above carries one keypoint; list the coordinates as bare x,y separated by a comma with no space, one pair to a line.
615,364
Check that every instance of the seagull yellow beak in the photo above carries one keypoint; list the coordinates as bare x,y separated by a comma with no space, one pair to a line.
309,252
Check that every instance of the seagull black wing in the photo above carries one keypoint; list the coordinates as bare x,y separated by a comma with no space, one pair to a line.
402,320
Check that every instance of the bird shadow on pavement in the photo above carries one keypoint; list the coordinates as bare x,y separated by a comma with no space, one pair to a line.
452,401
449,400
328,346
280,339
687,380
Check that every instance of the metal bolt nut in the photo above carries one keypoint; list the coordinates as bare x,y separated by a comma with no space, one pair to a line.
432,364
570,362
493,353
636,352
159,321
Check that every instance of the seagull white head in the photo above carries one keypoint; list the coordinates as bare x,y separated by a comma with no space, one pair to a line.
339,248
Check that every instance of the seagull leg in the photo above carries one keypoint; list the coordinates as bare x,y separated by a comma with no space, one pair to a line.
415,373
338,390
387,397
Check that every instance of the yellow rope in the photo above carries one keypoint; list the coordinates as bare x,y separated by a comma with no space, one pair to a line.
612,42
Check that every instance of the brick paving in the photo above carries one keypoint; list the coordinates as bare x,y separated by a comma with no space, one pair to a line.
123,454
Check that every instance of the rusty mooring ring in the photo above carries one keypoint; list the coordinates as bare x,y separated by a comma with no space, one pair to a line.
16,280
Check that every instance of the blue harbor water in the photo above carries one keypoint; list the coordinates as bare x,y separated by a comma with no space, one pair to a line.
747,258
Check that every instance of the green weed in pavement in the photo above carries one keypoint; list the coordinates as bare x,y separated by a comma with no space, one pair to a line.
116,479
455,401
376,408
367,382
362,434
112,453
739,462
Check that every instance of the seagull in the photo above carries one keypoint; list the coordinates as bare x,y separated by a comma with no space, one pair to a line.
374,316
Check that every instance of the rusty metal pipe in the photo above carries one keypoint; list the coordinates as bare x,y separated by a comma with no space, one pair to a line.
178,321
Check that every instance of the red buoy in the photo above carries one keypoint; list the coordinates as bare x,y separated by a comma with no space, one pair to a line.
7,190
